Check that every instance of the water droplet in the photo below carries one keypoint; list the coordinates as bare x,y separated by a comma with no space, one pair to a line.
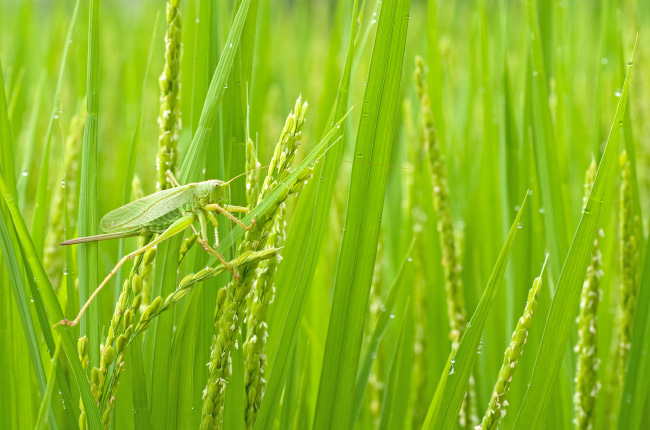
451,367
604,61
529,192
517,208
231,45
392,315
519,225
534,72
410,259
31,300
629,63
617,93
63,183
56,116
541,210
468,325
24,173
480,347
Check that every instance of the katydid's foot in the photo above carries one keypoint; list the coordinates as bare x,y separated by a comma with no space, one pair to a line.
66,322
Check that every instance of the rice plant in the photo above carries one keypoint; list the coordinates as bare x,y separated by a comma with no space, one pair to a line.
359,261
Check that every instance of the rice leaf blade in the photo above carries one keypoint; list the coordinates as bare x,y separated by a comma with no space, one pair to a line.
389,409
141,418
88,195
312,226
385,318
52,305
448,404
363,218
233,415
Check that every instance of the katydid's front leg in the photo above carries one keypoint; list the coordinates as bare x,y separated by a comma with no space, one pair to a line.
216,207
215,223
204,242
178,226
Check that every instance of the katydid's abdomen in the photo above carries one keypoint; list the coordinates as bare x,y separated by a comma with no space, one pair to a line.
157,225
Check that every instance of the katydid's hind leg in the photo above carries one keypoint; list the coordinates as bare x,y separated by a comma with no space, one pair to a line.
177,227
216,207
222,260
172,178
203,223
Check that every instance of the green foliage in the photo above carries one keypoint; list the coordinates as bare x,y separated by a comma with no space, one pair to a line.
409,227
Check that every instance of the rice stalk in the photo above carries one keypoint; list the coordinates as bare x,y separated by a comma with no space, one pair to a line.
498,403
231,301
170,97
586,380
262,297
628,264
448,240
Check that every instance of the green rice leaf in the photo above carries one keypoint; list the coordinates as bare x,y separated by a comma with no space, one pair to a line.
193,162
233,414
6,140
363,218
40,209
31,140
550,169
385,318
185,347
567,295
390,410
141,418
46,402
434,407
52,306
88,220
10,246
303,254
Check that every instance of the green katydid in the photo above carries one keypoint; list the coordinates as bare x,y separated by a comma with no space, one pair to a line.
165,213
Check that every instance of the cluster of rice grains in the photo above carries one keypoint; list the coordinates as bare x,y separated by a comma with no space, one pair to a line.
268,231
586,378
456,311
587,385
497,407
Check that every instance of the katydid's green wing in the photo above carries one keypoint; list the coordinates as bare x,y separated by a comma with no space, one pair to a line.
142,211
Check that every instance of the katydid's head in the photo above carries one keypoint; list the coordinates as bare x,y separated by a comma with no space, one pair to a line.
217,190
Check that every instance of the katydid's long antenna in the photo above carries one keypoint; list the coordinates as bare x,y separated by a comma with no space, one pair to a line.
244,173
